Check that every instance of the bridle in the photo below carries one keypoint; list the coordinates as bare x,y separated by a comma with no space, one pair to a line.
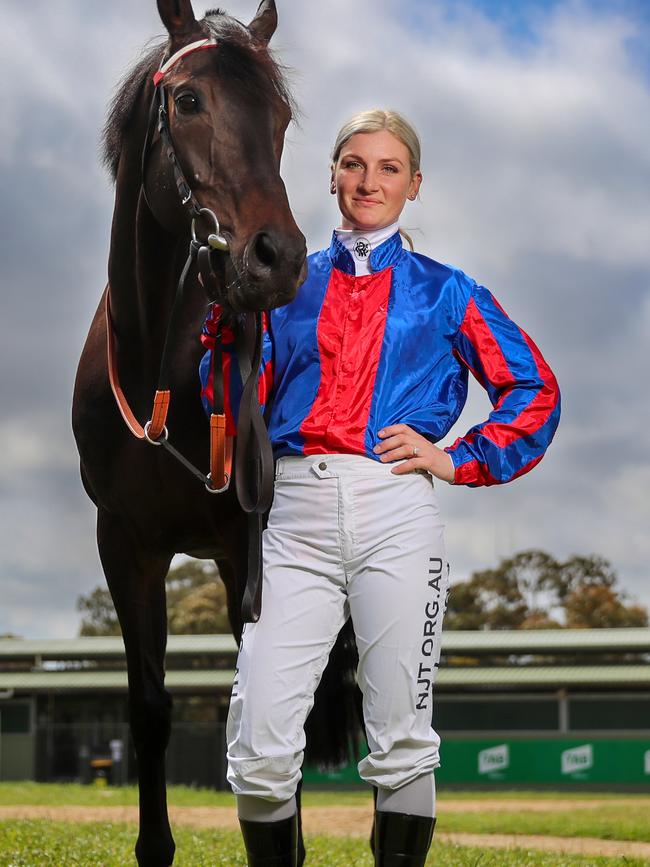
158,115
254,469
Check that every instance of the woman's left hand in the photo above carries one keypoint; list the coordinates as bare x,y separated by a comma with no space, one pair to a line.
398,443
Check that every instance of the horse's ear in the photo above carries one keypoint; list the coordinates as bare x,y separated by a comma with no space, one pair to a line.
178,17
266,20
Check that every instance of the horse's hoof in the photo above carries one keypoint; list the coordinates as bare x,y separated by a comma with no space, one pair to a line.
155,853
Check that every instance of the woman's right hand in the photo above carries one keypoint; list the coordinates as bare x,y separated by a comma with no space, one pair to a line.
399,442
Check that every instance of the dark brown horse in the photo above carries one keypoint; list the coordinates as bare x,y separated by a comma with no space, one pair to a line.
228,110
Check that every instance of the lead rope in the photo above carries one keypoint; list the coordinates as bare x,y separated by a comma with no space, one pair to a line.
254,467
155,430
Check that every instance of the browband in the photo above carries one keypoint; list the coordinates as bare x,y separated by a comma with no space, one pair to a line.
182,52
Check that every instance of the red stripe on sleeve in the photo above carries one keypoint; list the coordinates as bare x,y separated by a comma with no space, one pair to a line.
477,331
535,415
474,472
537,412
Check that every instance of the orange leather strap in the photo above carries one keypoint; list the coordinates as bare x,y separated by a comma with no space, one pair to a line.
221,445
159,414
220,451
154,429
123,405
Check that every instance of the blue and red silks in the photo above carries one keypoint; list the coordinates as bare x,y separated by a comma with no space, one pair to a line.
351,355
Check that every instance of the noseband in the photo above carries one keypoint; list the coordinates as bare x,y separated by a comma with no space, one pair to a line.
254,456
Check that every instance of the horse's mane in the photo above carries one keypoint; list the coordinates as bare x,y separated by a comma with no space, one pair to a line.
244,62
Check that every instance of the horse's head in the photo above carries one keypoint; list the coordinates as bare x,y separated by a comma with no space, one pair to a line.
227,112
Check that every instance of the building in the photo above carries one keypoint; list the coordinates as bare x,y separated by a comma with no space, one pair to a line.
522,707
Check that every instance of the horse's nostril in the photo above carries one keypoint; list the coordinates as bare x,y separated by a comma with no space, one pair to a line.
265,250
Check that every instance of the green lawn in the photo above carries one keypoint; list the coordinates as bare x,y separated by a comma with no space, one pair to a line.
614,822
50,794
182,796
38,842
44,844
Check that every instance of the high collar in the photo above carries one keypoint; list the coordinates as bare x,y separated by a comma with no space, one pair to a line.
383,256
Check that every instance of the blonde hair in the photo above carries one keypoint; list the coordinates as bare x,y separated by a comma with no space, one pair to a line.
376,120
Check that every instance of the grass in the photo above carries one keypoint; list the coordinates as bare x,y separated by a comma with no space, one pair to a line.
613,822
43,844
32,843
51,794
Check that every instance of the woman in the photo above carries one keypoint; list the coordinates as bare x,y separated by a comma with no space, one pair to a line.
367,369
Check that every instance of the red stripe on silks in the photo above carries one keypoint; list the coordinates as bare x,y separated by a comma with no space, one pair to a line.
350,335
492,357
533,416
537,412
265,383
474,471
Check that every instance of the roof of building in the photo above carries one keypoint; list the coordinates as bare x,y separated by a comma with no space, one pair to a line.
454,642
109,646
448,677
636,639
86,664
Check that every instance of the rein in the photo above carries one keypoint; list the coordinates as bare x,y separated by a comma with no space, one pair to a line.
254,466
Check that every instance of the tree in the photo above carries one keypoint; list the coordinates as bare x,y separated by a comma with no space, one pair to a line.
532,590
98,613
196,603
504,597
597,606
196,599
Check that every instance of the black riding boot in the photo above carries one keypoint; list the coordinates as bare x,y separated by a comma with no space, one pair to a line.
271,844
402,840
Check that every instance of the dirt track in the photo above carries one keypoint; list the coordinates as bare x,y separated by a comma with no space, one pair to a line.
355,821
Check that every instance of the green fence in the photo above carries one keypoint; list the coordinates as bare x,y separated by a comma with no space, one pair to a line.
528,760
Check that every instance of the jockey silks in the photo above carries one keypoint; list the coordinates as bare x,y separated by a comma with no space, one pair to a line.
351,355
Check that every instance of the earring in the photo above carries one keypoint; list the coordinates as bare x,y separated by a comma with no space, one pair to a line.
332,188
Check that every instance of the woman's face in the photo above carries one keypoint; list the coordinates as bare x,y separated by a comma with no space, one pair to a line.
373,179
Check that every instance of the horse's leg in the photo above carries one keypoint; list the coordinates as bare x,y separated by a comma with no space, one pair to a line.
136,579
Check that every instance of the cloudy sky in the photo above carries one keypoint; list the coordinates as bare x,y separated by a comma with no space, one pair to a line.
535,120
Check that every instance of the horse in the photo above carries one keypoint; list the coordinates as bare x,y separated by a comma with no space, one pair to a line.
227,107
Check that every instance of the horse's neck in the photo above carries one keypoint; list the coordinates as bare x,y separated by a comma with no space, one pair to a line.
140,261
144,267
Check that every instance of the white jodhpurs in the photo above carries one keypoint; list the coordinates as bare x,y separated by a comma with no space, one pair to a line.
345,537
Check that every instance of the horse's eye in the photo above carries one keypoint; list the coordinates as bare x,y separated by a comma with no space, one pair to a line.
187,103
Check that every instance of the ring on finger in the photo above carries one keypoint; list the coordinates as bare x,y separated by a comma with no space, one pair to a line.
416,451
